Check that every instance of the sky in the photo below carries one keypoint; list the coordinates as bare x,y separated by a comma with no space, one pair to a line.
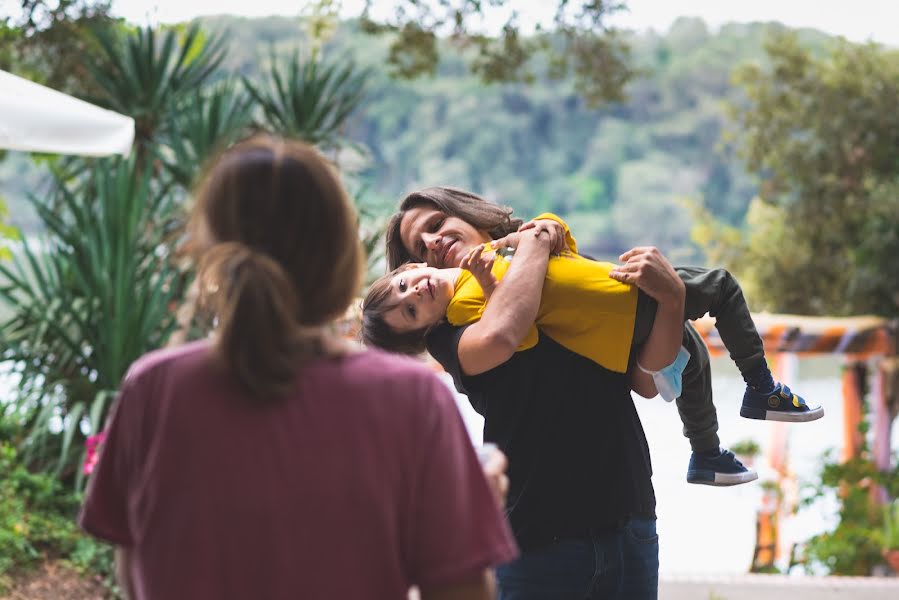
859,20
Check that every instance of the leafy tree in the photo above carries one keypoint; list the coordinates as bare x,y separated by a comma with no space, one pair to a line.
47,40
821,134
581,43
822,237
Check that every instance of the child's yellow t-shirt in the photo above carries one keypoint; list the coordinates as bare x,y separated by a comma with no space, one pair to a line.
582,308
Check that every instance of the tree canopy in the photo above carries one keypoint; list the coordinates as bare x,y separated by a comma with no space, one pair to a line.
48,40
580,43
821,132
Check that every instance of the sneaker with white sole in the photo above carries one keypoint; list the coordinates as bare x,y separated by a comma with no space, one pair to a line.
780,404
722,470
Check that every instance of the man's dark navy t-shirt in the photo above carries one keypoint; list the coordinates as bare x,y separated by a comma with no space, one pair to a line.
578,458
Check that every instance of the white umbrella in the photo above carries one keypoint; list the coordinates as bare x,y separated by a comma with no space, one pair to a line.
34,118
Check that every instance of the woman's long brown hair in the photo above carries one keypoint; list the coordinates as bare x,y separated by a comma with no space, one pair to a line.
277,244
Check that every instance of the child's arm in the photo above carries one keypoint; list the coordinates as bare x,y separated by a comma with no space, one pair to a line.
480,266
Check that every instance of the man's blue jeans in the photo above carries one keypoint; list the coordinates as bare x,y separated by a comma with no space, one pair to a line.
613,565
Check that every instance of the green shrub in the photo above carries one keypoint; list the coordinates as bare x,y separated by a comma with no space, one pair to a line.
37,522
891,526
748,448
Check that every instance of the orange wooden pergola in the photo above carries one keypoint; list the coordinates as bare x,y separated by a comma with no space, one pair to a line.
866,343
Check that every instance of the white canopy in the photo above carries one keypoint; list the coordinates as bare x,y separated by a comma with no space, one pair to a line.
34,118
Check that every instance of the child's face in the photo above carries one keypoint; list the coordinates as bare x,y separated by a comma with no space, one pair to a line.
422,295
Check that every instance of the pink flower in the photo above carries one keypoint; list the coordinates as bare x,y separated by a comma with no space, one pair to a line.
92,444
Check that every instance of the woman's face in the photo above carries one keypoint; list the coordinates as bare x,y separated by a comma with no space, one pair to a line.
440,240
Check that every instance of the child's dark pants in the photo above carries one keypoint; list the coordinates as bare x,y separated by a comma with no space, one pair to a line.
716,292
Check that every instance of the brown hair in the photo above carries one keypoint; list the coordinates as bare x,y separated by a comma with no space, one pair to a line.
276,239
375,332
497,221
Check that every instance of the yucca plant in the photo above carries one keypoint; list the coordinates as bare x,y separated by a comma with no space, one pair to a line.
146,74
206,122
310,99
88,300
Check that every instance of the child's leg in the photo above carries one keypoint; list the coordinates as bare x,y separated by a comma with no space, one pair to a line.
709,464
715,291
695,406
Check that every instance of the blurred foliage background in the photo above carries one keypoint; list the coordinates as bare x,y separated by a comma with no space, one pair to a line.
767,150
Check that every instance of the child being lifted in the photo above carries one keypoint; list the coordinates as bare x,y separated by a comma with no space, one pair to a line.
590,313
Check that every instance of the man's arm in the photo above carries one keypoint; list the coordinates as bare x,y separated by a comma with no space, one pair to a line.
656,353
649,270
512,309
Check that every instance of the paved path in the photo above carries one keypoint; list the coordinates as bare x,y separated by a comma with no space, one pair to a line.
778,587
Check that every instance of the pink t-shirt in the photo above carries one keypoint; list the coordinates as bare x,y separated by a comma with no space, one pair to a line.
360,484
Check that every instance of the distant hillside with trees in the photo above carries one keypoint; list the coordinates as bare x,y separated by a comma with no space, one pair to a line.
619,173
622,174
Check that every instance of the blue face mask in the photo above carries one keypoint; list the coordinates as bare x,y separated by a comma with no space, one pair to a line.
669,381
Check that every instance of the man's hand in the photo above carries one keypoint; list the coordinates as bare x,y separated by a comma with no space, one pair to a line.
480,265
650,271
553,228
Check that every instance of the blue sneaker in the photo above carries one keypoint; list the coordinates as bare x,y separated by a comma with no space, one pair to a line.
780,404
721,470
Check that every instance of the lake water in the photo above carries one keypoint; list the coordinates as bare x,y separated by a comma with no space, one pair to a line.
711,530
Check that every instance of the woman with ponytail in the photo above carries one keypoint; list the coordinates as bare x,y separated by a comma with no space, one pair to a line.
274,460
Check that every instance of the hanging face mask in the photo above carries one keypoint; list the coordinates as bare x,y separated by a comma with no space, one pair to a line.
669,381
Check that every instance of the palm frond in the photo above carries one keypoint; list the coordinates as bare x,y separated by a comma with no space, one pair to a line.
310,99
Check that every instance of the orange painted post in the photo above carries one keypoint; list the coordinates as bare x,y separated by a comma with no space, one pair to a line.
766,542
